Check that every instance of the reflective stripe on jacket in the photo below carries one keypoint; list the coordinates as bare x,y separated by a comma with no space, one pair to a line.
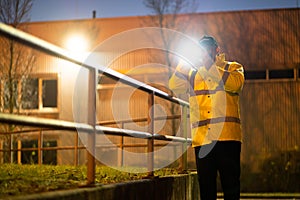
214,99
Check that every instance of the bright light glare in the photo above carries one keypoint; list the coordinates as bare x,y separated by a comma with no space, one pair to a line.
76,43
189,50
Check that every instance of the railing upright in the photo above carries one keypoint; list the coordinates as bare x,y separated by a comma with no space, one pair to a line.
150,141
76,150
91,121
40,146
121,149
184,127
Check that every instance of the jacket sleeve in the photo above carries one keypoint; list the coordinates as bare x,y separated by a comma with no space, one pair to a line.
233,78
178,82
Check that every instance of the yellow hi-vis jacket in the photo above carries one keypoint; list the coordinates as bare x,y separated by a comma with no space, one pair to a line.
214,99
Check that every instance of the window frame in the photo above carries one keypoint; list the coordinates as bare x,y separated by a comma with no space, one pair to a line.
41,108
270,78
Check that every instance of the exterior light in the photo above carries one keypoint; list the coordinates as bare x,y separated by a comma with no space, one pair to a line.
77,43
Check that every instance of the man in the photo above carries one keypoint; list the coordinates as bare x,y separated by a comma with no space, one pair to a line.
214,88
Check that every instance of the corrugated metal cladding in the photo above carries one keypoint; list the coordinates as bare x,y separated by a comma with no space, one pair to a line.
270,117
46,63
263,39
136,58
257,39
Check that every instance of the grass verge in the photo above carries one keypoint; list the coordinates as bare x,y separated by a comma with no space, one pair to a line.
27,179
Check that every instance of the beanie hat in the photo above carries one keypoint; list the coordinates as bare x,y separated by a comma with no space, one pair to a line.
208,41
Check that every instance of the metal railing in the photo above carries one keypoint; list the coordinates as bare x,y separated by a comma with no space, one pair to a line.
91,127
38,134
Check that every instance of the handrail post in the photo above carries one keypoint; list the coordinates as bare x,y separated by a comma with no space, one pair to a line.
40,145
19,151
121,156
92,121
184,127
150,141
76,149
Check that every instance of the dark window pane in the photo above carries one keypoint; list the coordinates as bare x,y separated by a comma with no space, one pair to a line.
31,156
10,95
281,74
252,75
50,93
50,156
30,99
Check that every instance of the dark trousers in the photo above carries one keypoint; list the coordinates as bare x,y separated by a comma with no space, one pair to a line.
222,157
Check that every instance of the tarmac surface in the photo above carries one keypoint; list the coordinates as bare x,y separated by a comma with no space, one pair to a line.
268,196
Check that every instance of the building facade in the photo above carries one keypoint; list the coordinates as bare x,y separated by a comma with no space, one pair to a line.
266,42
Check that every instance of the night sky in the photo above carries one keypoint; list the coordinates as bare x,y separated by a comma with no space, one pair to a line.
43,10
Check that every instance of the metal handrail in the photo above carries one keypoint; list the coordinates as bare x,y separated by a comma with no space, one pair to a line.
51,49
91,126
66,125
143,119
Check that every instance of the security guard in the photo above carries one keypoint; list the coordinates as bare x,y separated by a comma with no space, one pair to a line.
214,89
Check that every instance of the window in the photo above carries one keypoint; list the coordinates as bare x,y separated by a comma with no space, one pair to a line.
281,74
50,156
39,93
49,93
36,93
30,98
272,74
10,95
30,156
252,75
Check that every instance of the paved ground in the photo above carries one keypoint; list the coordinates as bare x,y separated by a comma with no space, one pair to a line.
268,196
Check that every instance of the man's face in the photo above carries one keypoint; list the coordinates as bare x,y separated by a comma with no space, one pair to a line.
208,56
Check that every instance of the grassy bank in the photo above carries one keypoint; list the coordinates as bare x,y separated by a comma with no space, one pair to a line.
28,179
